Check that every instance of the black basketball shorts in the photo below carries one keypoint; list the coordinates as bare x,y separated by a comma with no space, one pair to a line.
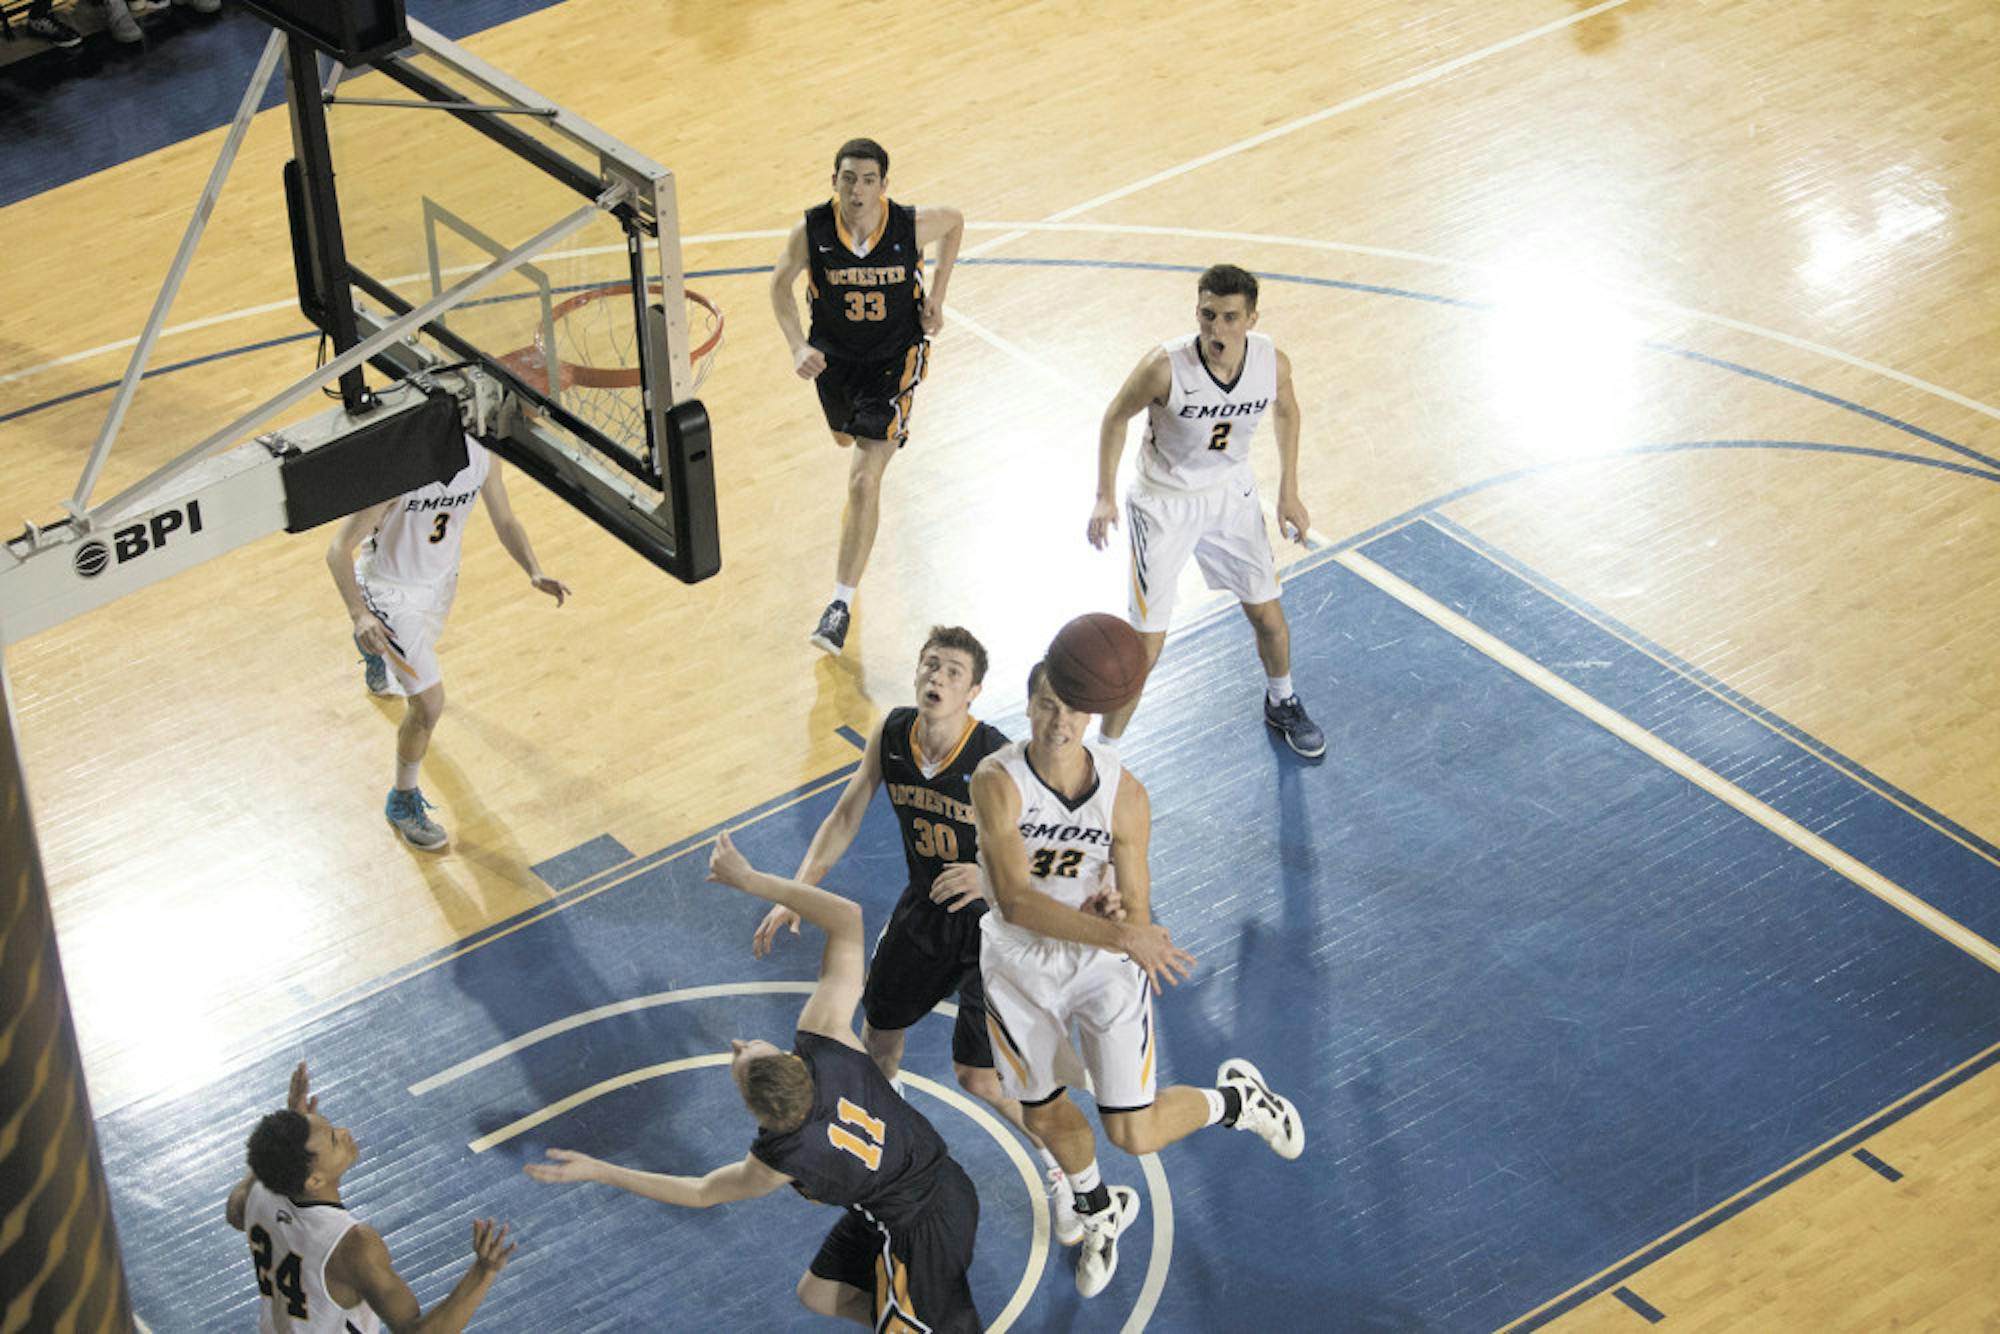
871,400
916,1272
926,955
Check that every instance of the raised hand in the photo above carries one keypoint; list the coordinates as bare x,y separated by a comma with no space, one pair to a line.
299,1097
727,866
490,1248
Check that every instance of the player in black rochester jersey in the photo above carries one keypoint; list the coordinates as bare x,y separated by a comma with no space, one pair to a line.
863,255
829,1124
929,951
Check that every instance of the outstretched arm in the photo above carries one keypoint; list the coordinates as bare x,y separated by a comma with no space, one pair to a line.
946,226
514,537
745,1180
834,836
1149,382
807,360
830,1010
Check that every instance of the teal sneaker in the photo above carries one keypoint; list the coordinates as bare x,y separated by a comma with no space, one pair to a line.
405,813
374,671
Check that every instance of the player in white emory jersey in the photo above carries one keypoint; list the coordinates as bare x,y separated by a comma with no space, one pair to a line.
398,593
1195,493
320,1270
1054,816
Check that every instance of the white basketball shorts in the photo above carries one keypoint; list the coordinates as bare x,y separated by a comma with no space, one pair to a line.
414,615
1038,993
1221,527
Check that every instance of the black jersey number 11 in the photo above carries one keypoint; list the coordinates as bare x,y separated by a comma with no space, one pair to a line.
867,1146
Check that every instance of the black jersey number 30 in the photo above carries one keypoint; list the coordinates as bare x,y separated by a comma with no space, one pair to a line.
283,1278
937,840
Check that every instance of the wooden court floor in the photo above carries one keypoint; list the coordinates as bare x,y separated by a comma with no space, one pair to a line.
1685,305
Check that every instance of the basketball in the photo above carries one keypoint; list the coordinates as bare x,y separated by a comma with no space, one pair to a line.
1096,663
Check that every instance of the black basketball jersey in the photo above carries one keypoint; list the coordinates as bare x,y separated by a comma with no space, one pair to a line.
861,1147
936,812
864,307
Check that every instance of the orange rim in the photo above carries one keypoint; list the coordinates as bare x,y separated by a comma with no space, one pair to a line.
531,363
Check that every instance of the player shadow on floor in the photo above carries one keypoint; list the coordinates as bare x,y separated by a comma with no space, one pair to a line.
484,876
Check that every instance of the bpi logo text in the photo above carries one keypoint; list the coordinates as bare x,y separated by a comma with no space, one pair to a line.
129,543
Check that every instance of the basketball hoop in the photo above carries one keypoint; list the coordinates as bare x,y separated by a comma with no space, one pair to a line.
595,345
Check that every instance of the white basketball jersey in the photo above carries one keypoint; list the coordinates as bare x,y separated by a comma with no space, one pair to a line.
418,540
1201,435
1069,848
289,1245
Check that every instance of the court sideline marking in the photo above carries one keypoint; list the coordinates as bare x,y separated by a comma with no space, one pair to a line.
1755,1193
1670,757
1422,77
1038,1243
1316,542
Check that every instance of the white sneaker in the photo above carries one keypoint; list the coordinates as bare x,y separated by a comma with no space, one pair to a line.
1264,1112
1098,1260
1062,1209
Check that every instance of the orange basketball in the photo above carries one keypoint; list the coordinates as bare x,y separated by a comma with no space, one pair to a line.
1096,663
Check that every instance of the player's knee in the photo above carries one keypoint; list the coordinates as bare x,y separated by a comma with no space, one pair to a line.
427,707
815,1294
1042,1118
982,1083
1266,616
863,486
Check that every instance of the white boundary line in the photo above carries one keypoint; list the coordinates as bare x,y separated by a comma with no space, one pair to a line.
1159,1262
578,1020
1162,1257
1038,1244
1422,77
1786,828
1637,299
1428,75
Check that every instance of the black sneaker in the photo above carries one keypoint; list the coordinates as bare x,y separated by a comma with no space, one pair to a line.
53,31
832,632
1301,733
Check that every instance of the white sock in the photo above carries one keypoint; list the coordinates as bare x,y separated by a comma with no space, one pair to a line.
844,593
1217,1108
1049,1163
1279,688
1087,1180
406,773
